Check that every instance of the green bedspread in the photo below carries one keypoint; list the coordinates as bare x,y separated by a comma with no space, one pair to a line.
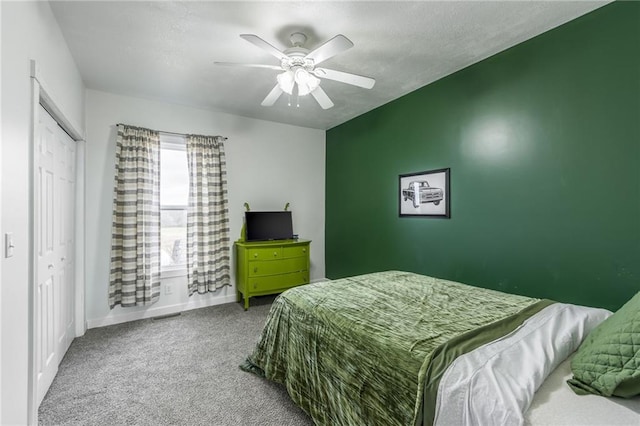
358,351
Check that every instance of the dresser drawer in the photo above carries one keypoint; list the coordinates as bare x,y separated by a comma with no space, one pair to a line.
265,253
269,267
278,282
295,251
282,266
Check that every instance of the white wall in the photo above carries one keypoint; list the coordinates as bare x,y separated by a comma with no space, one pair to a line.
29,31
1,235
268,165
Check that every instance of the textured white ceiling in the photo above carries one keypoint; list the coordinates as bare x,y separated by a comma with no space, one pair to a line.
165,50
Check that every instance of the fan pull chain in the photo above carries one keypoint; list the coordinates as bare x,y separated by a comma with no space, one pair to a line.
297,101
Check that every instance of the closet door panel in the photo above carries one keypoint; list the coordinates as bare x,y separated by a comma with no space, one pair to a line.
54,204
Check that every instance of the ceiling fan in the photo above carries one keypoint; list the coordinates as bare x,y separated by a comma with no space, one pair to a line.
300,72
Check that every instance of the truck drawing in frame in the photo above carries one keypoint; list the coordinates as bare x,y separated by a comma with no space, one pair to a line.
419,191
424,194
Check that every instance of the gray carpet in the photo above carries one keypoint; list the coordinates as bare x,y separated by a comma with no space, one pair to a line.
181,370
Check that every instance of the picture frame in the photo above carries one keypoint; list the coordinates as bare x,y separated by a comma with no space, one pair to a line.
425,194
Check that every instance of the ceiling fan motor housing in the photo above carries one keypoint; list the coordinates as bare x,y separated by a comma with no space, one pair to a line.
296,54
299,61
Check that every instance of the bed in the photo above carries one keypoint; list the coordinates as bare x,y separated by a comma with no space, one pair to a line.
398,348
555,403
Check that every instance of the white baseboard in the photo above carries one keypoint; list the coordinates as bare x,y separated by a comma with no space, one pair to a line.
159,311
195,303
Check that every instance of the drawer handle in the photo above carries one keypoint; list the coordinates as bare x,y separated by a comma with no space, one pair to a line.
255,254
304,250
275,254
255,269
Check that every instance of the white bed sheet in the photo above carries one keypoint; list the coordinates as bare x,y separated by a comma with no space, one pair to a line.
556,404
517,380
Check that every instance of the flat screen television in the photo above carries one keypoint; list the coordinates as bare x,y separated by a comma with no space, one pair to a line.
265,226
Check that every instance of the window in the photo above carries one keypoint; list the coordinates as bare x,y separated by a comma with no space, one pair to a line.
174,199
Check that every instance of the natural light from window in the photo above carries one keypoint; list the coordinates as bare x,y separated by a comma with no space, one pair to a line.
174,195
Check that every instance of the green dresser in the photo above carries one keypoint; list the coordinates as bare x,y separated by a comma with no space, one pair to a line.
268,267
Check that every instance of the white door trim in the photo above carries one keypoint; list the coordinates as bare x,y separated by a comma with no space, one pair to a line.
41,95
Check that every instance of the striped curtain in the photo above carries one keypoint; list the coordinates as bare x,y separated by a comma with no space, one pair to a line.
135,233
208,215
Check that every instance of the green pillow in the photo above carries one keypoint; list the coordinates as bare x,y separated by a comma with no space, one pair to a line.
608,361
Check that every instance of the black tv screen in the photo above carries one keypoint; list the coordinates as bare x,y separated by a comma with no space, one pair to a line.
265,226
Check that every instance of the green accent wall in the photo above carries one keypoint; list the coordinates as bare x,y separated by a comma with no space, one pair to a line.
543,142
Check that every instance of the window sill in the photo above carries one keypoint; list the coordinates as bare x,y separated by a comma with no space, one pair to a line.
173,273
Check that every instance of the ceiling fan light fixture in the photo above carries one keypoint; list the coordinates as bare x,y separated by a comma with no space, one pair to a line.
306,82
286,82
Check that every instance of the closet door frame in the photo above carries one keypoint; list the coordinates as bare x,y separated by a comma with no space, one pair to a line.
40,95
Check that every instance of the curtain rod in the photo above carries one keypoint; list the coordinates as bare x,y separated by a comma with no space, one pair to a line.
173,133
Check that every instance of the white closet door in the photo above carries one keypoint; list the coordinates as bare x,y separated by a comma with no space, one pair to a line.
68,258
54,205
64,230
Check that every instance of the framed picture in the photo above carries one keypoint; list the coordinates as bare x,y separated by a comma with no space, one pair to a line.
424,194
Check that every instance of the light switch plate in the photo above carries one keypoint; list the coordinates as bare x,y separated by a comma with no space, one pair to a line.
8,244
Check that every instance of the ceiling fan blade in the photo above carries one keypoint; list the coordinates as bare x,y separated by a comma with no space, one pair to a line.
345,77
329,49
264,45
273,96
322,98
233,64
